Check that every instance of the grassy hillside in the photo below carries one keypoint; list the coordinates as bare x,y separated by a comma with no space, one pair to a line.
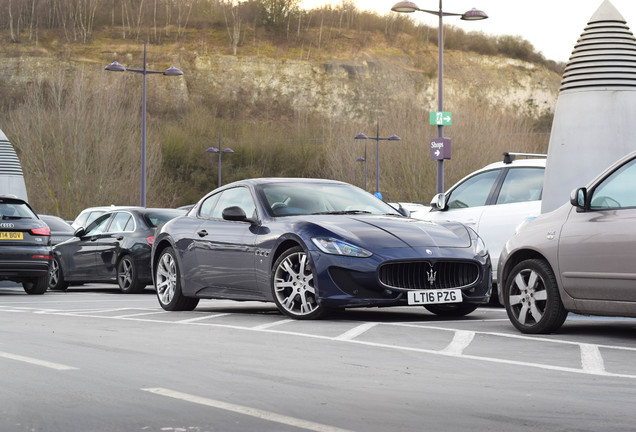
287,93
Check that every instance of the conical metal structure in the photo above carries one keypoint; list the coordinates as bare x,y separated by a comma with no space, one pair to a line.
11,178
595,116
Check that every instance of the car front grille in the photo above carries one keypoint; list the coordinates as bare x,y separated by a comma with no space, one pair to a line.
427,275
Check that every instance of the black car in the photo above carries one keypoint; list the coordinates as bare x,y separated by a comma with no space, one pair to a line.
311,245
60,229
25,246
115,247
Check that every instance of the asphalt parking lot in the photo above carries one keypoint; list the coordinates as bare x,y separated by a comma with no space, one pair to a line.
96,330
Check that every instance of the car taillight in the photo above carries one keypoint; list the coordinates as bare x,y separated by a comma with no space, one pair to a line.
150,240
46,257
43,231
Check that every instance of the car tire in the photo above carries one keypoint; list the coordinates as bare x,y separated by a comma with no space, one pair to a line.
532,298
452,310
127,278
36,285
168,284
56,276
293,285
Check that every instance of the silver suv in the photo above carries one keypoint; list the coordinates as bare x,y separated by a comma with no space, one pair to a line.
493,200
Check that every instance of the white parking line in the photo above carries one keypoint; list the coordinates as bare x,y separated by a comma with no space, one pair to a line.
356,331
272,324
201,318
592,360
252,412
36,362
460,342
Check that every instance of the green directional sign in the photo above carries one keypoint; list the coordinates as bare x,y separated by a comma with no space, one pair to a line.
440,118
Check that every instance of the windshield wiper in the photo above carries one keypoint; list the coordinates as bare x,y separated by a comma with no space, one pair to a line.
5,217
343,212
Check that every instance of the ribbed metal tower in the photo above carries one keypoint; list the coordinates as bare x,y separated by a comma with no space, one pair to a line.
11,178
595,117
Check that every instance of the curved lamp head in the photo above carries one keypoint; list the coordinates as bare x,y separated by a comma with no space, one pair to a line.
361,136
115,67
394,138
405,7
360,159
173,71
474,15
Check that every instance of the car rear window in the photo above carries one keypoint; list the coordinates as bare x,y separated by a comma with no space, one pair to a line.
15,209
156,218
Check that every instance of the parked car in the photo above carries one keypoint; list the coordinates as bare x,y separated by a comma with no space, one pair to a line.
493,200
578,258
25,246
115,247
311,245
88,215
60,229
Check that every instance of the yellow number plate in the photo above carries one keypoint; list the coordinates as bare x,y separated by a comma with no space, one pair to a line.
8,235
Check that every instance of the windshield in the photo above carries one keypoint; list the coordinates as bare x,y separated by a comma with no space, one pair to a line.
284,199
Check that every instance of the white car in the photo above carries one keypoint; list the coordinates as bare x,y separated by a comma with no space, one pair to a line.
494,200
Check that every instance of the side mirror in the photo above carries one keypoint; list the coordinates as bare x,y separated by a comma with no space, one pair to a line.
403,211
439,202
80,232
578,198
234,213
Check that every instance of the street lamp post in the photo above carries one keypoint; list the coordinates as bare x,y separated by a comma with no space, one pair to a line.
219,151
471,15
364,159
171,71
377,152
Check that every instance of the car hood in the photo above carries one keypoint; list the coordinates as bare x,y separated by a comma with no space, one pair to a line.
374,231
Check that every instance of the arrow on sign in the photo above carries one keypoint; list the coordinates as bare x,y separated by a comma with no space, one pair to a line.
437,152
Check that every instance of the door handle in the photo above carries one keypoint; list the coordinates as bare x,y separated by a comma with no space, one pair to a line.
202,233
120,237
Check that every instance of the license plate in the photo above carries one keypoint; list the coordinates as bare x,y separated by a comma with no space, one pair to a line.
9,235
438,296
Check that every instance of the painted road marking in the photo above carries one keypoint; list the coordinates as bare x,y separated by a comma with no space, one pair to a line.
37,362
243,410
591,359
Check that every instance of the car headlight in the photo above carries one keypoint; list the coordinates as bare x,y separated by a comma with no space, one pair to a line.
330,245
480,247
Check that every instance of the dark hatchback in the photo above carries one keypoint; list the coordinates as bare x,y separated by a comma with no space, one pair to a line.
310,245
115,248
25,246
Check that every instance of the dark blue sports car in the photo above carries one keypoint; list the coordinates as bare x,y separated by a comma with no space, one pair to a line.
311,245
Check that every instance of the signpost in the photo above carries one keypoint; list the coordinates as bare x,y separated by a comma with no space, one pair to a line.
440,118
440,148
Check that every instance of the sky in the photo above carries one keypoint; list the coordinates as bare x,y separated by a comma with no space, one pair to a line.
551,26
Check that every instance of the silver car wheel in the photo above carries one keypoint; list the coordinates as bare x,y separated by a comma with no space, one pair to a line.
532,298
125,274
528,297
293,285
54,273
166,279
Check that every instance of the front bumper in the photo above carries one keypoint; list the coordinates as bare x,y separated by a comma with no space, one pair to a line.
345,282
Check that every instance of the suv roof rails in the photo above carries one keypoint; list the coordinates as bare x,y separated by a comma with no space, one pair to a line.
510,156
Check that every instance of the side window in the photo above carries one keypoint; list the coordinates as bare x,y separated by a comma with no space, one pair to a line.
240,197
616,191
474,191
98,225
122,221
521,185
208,205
